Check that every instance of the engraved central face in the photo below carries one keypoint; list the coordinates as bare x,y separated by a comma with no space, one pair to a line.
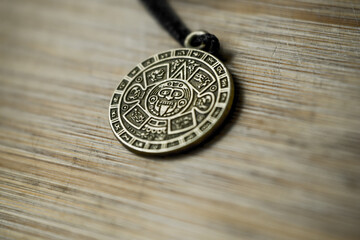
168,98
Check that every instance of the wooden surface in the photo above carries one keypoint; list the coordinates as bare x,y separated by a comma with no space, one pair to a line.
286,164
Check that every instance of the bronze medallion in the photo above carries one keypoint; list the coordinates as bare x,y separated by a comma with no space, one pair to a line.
171,101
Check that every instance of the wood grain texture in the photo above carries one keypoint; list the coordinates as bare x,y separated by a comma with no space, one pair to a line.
284,166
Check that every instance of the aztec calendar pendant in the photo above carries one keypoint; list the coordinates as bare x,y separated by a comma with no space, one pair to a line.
171,101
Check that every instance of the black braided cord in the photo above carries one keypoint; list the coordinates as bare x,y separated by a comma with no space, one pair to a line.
169,20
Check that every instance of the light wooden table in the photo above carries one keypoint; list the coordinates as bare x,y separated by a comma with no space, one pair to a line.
286,165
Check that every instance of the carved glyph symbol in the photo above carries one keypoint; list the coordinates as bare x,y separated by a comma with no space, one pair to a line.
192,65
156,74
137,116
202,79
168,98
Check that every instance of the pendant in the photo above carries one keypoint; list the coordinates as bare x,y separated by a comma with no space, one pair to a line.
171,101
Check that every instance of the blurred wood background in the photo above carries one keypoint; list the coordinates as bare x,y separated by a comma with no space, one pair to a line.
286,165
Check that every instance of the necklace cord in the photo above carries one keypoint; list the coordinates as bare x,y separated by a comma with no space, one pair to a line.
170,21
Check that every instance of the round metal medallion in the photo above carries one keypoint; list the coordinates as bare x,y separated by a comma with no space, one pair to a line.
171,101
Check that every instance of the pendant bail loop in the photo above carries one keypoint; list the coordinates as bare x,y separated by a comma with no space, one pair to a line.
202,40
190,37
